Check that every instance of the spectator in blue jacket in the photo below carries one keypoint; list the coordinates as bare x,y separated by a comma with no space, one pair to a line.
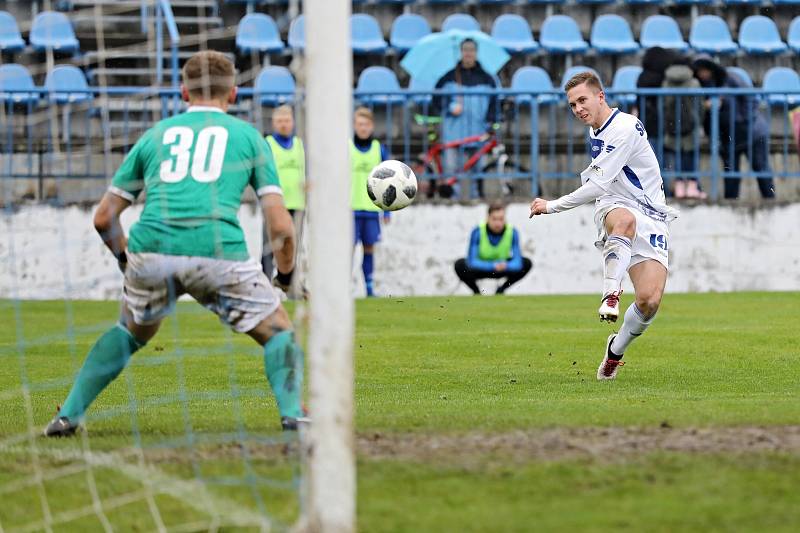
468,111
493,253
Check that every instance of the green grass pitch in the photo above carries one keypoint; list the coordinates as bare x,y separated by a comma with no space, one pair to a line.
473,414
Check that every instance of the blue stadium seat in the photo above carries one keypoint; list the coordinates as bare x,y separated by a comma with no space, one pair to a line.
15,77
533,80
258,32
782,79
513,33
379,80
446,1
53,30
10,38
560,34
611,34
786,1
744,2
460,21
693,2
297,33
496,2
663,31
271,80
759,35
595,1
645,2
793,35
625,80
67,84
407,29
416,85
710,34
577,69
742,74
365,35
546,2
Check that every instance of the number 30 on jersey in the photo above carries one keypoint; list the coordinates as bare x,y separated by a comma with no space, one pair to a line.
205,160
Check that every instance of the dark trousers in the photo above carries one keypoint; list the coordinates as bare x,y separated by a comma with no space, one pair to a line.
470,276
758,163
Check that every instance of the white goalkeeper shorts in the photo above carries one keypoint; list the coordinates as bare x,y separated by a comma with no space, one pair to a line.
652,236
236,291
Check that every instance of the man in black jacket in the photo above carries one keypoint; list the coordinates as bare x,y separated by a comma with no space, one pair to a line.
739,120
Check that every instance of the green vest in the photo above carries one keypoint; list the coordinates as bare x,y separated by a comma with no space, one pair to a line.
362,164
501,252
291,165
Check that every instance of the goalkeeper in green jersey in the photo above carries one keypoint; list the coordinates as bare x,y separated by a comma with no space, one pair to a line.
193,168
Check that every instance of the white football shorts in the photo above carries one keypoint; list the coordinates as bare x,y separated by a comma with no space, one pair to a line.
238,292
652,236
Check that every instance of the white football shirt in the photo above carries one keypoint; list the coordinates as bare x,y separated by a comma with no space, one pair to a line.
625,166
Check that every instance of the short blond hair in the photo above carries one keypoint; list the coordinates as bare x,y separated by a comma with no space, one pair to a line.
282,110
364,112
589,78
209,75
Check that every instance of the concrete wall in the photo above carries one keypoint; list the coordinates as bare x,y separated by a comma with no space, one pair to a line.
47,252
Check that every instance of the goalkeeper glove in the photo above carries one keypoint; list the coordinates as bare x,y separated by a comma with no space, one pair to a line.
283,281
122,261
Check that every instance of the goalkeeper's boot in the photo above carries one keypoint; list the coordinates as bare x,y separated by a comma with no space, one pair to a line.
291,423
60,426
609,367
609,307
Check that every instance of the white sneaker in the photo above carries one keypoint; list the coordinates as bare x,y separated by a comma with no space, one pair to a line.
609,307
609,367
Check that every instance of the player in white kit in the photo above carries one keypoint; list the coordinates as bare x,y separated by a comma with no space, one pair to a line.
630,213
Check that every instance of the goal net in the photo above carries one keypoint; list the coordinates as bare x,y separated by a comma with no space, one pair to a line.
188,436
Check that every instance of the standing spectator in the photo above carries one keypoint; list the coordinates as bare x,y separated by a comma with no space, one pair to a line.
681,136
465,114
493,253
654,66
290,160
739,119
366,153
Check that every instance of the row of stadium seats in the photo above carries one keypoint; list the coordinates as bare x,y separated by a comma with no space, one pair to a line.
506,2
276,85
50,30
610,34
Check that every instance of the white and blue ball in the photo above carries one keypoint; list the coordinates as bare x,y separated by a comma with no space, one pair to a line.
392,185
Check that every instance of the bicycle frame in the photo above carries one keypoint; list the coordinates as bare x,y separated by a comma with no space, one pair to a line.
434,154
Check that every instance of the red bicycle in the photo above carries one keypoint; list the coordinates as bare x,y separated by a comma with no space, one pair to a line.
429,167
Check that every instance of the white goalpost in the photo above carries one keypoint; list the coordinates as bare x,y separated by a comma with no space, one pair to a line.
331,490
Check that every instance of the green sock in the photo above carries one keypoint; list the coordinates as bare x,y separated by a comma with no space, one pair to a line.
105,361
283,361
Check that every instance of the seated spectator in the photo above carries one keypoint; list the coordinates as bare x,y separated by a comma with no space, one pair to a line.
737,129
493,253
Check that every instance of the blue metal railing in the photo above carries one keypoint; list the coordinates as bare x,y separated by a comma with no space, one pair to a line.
538,138
164,11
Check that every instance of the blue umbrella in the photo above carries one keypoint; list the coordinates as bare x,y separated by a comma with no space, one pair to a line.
438,53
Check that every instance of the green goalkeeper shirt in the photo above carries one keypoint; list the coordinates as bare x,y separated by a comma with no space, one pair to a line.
193,168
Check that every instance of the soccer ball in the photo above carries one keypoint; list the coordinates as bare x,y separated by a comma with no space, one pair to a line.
392,185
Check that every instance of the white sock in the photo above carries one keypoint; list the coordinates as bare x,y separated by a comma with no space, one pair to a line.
634,325
616,259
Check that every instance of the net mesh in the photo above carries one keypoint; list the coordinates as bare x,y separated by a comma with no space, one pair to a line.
187,437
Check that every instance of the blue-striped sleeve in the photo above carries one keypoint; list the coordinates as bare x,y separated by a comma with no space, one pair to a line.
515,263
